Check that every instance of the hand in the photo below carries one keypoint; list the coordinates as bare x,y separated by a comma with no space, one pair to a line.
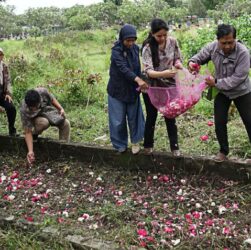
62,113
210,81
169,73
142,84
31,157
194,68
8,98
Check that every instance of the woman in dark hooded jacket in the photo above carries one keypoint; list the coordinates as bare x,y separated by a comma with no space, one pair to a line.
123,98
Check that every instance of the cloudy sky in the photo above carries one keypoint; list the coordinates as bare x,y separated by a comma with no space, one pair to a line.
22,5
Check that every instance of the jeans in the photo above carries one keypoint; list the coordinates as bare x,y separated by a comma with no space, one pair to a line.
11,114
151,116
221,107
120,114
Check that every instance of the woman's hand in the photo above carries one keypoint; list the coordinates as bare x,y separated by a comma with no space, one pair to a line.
142,84
8,98
178,65
169,73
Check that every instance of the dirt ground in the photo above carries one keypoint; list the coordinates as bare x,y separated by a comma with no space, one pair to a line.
131,208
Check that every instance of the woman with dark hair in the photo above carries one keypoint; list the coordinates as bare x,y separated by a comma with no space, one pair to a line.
161,58
123,98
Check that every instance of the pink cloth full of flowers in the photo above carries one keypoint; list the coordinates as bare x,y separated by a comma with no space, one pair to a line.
176,100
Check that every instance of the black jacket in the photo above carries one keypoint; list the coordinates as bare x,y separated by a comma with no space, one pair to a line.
125,66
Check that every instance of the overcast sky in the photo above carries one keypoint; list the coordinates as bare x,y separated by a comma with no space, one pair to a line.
22,5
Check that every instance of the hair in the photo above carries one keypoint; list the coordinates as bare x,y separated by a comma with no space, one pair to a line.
224,30
156,25
32,98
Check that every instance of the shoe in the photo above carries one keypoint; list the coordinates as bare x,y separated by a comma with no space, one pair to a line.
135,148
220,157
148,151
13,133
248,161
35,137
176,152
121,150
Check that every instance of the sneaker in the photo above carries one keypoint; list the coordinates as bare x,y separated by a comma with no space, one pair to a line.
13,133
176,152
35,137
148,151
135,148
220,157
121,150
248,161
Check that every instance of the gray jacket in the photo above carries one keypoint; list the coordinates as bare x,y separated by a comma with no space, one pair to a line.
231,72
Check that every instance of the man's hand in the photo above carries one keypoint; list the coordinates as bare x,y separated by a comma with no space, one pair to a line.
194,68
62,113
8,98
210,81
31,157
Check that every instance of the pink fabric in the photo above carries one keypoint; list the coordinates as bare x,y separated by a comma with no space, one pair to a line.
174,101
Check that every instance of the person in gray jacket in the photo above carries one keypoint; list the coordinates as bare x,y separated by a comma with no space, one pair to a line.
232,63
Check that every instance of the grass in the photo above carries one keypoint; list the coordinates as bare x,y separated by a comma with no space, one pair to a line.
53,62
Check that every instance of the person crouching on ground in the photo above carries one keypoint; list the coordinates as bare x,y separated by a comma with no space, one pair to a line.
123,98
39,110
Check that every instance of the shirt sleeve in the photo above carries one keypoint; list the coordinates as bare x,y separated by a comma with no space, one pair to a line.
147,59
203,57
239,75
177,53
121,62
8,81
47,94
26,121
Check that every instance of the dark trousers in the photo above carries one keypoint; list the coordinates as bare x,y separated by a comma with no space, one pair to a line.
221,107
151,116
11,114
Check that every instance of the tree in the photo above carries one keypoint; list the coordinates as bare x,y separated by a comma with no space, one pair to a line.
105,14
211,4
196,7
116,2
171,3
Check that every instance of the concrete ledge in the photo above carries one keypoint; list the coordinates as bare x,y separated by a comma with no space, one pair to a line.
46,149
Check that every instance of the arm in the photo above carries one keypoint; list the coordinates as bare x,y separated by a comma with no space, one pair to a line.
29,143
57,105
149,69
177,56
7,83
203,57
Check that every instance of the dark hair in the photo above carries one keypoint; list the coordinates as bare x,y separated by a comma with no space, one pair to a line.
32,98
156,25
224,30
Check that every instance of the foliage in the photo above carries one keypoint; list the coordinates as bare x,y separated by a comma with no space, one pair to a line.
193,43
232,8
196,7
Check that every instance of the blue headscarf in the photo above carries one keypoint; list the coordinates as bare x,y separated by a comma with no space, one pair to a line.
127,31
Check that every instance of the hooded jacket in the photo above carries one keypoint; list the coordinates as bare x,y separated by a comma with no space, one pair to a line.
124,68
